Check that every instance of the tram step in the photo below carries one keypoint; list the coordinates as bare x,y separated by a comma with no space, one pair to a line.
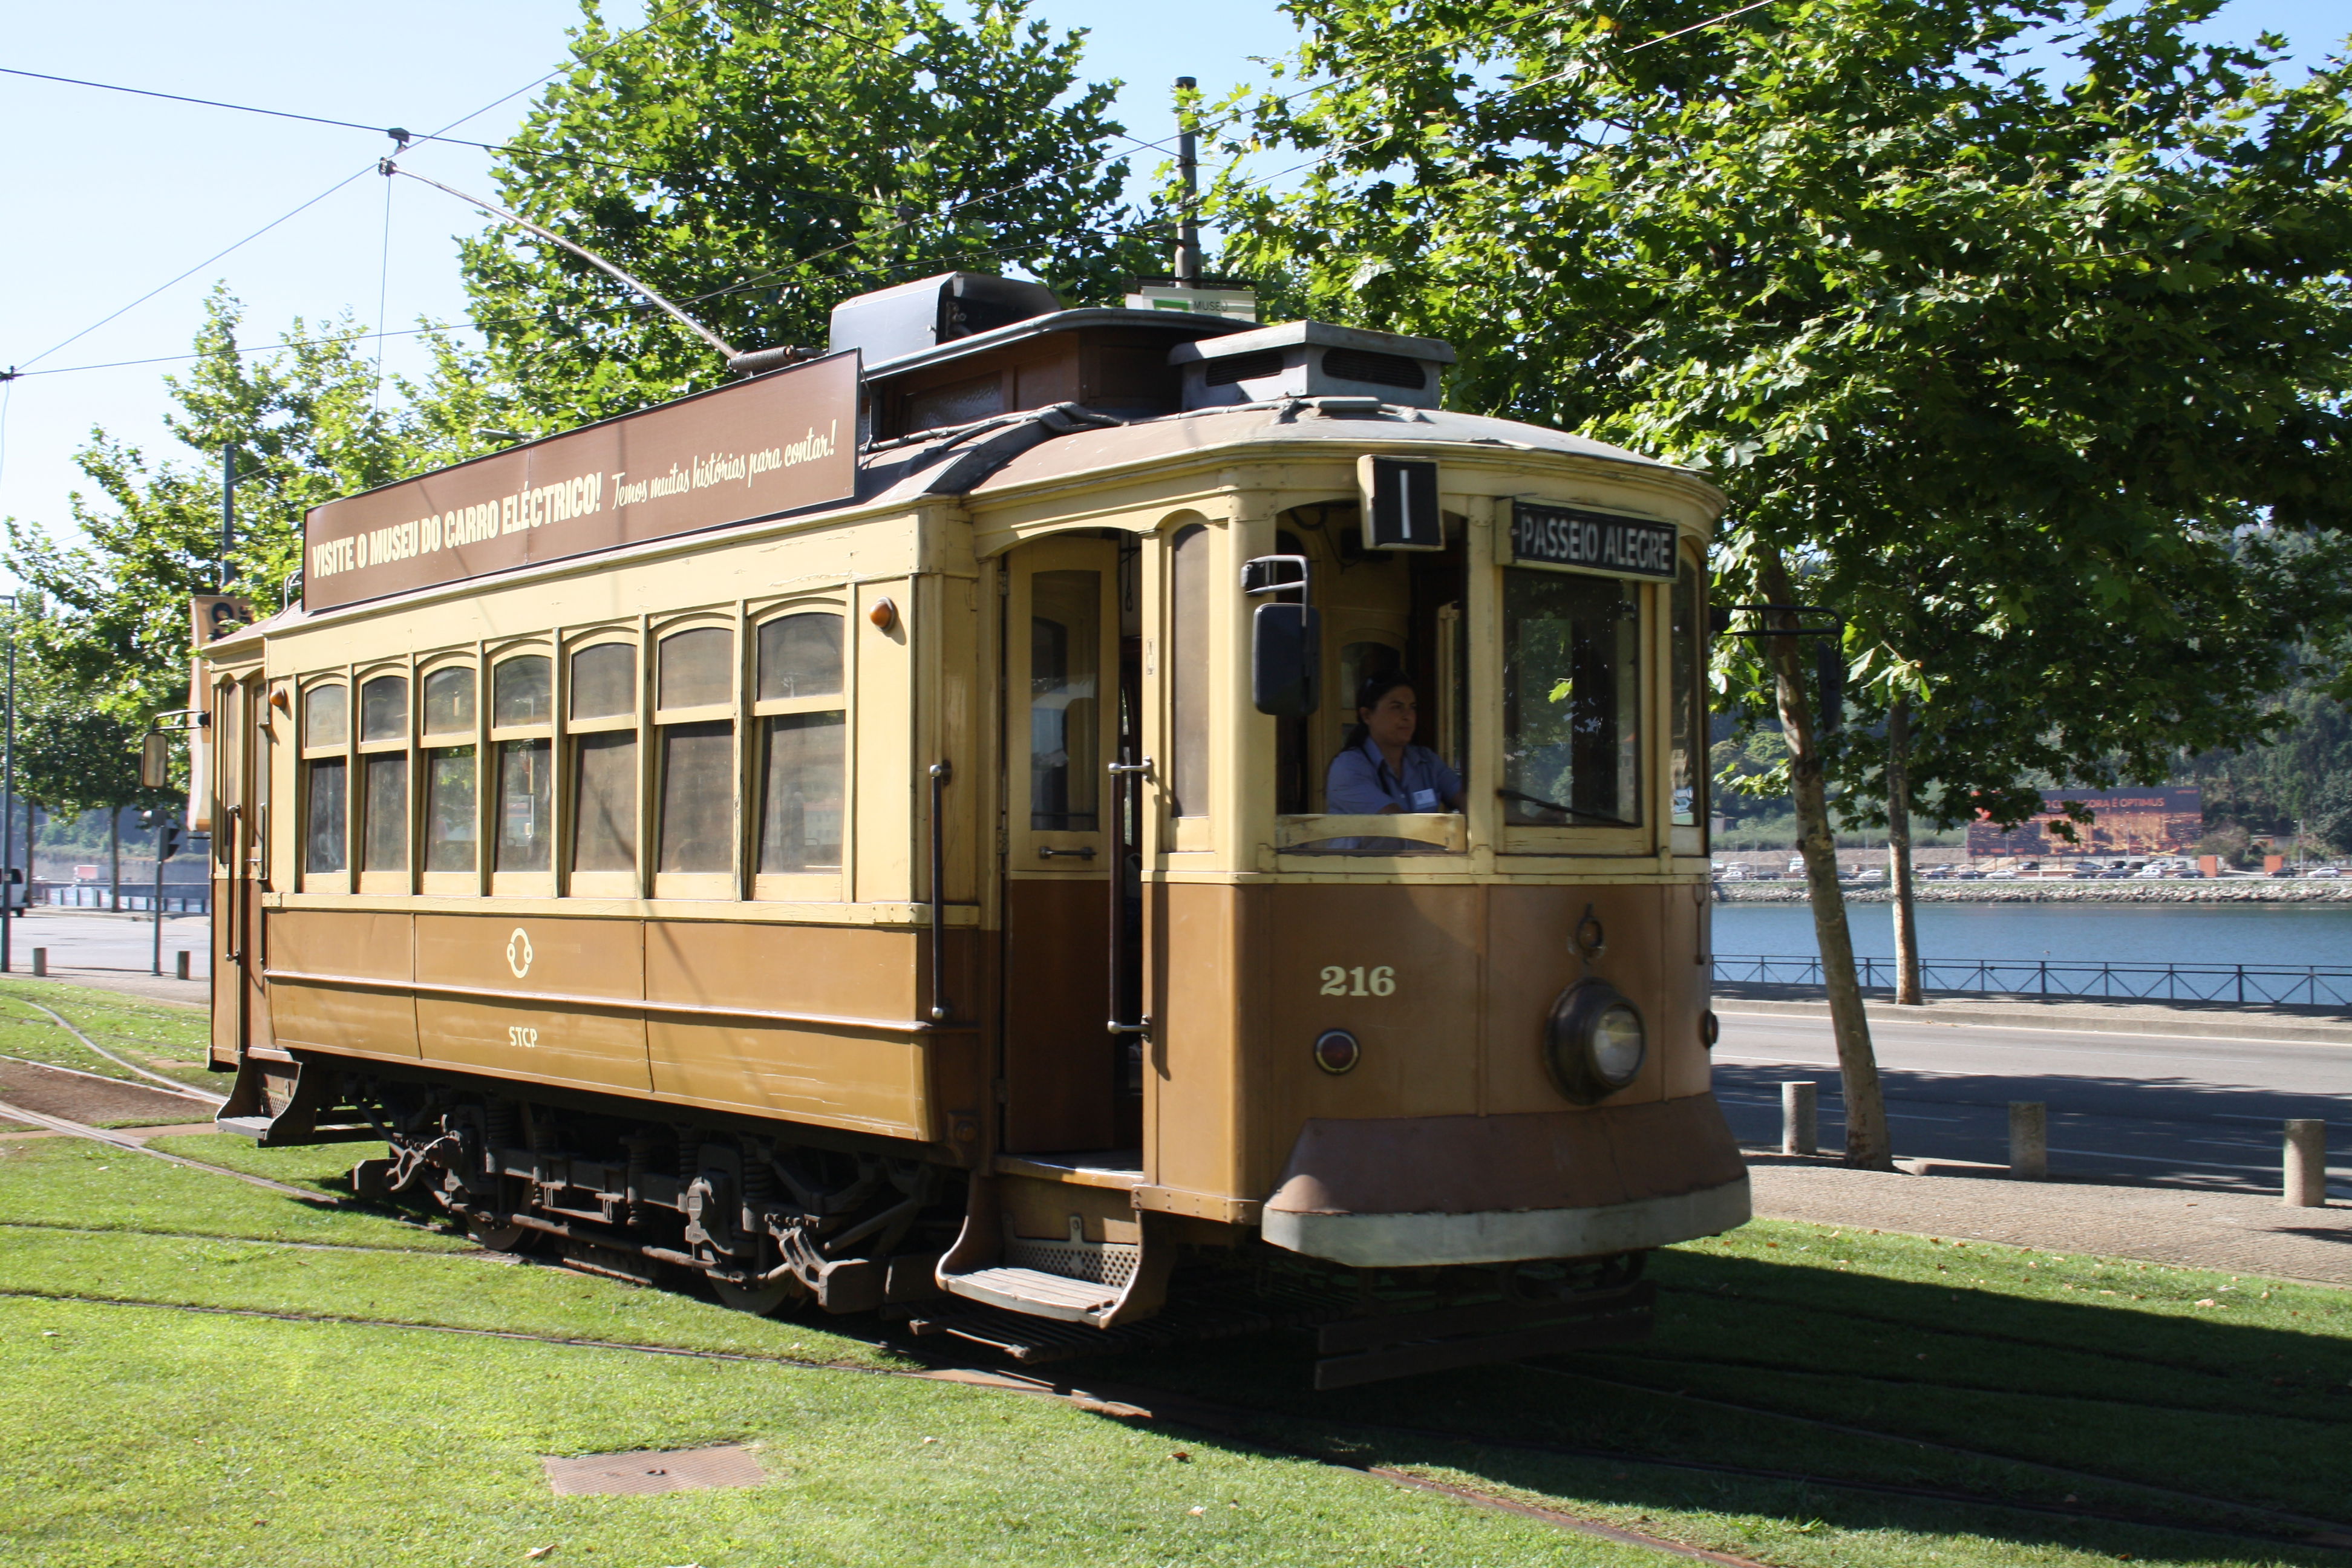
1033,1290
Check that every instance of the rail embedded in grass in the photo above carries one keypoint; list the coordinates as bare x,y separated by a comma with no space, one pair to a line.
2233,984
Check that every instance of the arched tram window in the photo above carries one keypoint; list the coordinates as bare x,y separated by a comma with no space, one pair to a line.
326,773
802,726
521,699
383,764
450,769
694,676
604,739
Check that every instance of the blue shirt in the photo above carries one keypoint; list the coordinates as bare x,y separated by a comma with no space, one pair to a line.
1361,783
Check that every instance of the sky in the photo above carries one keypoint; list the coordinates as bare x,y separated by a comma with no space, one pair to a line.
110,196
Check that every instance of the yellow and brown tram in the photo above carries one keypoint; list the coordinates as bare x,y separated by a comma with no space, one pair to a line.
859,836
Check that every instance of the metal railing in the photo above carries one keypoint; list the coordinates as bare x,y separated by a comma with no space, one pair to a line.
179,897
2239,984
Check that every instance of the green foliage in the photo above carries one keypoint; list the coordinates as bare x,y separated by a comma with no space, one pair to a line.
759,161
307,428
2036,382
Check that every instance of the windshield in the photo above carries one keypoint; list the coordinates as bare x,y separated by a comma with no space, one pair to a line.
1571,699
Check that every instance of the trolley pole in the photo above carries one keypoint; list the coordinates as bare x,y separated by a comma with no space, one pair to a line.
1188,167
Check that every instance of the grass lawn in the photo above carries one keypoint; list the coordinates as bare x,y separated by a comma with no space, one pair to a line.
140,1434
160,1037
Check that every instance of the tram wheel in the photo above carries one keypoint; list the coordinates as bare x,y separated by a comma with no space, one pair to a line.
760,1300
503,1238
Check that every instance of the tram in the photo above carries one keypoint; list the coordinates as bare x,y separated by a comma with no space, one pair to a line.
866,836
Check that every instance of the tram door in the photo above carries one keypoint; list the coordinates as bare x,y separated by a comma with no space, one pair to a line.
1062,709
240,836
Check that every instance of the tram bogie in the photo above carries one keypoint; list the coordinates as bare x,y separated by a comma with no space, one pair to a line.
893,872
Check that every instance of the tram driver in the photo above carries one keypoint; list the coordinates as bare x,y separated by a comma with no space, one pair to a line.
1379,771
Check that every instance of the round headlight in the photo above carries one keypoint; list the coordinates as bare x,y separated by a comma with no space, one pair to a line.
1593,1041
1336,1051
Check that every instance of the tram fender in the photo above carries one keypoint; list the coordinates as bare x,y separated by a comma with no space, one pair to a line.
1403,1192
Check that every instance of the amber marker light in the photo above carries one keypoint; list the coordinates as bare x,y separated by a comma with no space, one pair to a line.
1336,1051
884,614
1711,1029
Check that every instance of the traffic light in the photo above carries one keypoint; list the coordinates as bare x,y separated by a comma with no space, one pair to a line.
167,833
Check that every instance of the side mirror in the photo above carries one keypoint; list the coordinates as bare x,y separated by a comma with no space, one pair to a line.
155,761
1287,660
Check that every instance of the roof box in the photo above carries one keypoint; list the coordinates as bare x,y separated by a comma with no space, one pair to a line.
1311,359
915,318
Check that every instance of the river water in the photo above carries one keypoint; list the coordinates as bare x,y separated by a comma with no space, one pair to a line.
2268,934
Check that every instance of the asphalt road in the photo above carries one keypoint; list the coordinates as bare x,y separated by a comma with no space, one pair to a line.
2122,1108
96,940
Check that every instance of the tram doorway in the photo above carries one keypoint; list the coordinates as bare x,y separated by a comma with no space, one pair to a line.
241,740
1071,693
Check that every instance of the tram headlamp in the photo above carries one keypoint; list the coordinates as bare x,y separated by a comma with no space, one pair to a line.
1593,1042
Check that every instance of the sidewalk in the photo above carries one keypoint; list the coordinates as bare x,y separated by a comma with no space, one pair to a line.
2209,1020
2239,1233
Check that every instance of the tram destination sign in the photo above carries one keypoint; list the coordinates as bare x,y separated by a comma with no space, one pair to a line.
773,443
1581,541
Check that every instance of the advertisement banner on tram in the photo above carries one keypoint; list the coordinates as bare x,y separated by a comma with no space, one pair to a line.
773,443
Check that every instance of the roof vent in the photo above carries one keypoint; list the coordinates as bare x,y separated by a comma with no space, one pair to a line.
1311,359
915,318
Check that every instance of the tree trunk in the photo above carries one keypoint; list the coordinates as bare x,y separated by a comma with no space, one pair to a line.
1899,851
115,858
1866,1143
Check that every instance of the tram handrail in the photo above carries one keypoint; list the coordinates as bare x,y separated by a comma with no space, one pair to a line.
2235,984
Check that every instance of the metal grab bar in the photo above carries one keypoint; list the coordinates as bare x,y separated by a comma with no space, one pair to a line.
942,771
1121,774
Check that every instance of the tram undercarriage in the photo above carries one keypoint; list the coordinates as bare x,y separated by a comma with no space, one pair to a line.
775,1225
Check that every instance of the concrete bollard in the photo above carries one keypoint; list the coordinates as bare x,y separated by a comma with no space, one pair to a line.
180,964
1800,1120
40,961
2305,1186
2029,1140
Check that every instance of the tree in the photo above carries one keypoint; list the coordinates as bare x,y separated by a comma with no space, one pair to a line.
2060,352
759,161
306,428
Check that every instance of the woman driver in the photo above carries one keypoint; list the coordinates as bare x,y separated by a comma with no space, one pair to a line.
1380,769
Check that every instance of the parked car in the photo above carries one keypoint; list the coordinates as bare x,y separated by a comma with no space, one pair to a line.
1970,874
2325,871
2001,874
2116,874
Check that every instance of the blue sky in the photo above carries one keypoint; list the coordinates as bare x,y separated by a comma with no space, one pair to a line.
109,196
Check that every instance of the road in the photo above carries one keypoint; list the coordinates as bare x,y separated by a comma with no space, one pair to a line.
96,940
2122,1108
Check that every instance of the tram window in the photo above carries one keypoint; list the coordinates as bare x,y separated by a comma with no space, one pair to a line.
526,802
803,727
325,717
698,670
1571,699
1065,726
519,694
322,837
450,702
604,681
800,816
384,841
1687,768
605,836
384,709
697,802
800,655
448,806
1188,670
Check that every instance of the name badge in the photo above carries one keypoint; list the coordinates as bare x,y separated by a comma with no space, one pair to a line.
1424,799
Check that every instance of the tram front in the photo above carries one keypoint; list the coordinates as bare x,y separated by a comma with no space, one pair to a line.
1367,742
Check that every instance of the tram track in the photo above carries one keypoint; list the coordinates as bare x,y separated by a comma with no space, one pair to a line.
1249,1425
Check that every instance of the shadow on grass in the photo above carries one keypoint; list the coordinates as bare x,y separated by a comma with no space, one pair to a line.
1830,1376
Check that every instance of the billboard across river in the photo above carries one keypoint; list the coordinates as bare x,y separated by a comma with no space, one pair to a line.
773,443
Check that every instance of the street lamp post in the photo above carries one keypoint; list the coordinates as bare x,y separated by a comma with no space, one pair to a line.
8,797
